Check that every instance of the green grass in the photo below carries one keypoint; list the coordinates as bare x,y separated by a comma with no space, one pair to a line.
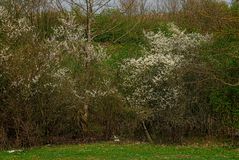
106,151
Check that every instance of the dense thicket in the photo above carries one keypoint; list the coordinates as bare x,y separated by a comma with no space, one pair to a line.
141,77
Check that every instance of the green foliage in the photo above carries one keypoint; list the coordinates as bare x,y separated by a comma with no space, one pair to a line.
222,57
117,28
235,6
120,52
225,103
219,59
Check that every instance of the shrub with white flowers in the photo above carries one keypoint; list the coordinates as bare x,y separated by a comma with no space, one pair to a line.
149,82
69,39
26,61
27,67
35,78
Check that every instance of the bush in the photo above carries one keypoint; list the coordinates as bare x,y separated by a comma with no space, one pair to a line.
150,83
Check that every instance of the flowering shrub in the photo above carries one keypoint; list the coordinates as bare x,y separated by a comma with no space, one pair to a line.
29,66
69,39
33,74
13,32
150,81
66,40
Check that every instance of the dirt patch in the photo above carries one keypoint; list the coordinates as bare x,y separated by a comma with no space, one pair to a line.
184,156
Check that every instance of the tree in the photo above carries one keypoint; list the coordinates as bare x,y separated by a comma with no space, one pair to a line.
129,7
172,6
40,93
27,7
89,8
143,6
150,82
30,71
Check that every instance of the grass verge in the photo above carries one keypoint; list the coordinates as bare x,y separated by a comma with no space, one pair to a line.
107,151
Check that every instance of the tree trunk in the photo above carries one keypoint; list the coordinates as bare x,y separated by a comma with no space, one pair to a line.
89,12
147,133
85,118
89,15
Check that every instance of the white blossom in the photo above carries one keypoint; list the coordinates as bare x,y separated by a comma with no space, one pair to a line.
146,80
69,39
42,64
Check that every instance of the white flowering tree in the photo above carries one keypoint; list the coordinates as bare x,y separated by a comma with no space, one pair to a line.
33,73
29,72
26,59
69,40
150,82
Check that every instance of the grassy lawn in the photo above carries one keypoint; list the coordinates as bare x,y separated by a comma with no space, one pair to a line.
106,151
